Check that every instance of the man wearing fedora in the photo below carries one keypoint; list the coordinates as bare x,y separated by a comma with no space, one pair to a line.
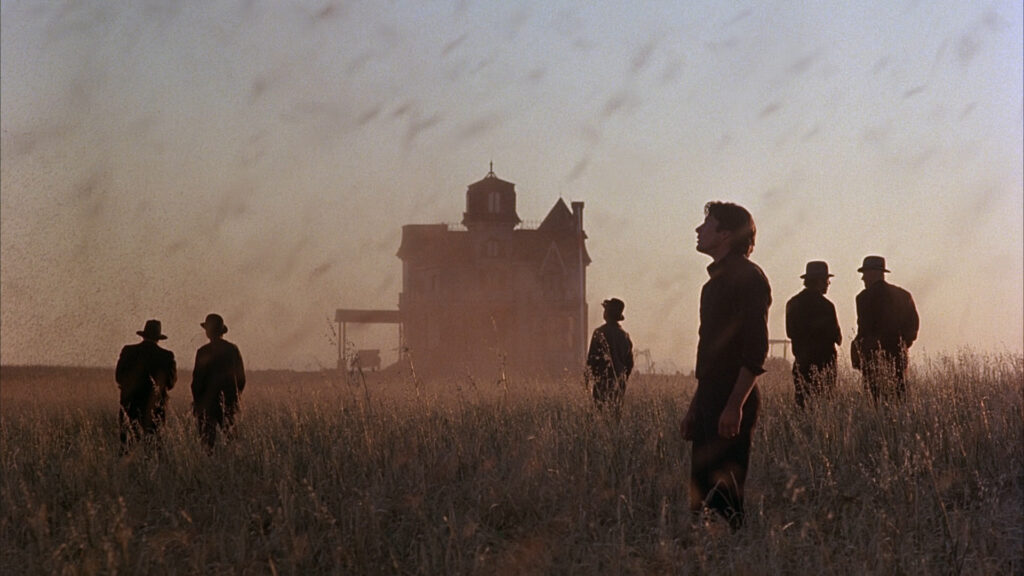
813,327
610,357
887,325
218,380
732,347
145,373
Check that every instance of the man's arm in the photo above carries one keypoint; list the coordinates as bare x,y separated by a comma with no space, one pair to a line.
239,370
757,299
198,376
629,362
123,366
837,334
732,415
172,370
792,321
913,322
686,426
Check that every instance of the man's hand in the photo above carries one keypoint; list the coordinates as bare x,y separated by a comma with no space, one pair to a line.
686,426
729,422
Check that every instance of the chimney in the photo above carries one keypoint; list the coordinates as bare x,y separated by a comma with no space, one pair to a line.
577,213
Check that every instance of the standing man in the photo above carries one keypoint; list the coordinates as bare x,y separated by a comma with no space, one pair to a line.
887,325
217,382
732,347
144,374
610,358
812,326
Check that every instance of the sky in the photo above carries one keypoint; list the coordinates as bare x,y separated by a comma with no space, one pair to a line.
259,158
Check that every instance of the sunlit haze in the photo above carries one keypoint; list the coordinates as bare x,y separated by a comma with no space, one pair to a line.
258,159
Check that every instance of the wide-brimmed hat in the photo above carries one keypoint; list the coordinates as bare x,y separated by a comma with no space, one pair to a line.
614,307
873,263
215,321
816,269
152,331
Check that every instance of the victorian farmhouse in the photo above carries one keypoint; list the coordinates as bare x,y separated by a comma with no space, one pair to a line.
492,296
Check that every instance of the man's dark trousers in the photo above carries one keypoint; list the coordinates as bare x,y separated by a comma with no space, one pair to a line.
719,465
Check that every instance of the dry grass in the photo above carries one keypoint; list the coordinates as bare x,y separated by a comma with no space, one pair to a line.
391,478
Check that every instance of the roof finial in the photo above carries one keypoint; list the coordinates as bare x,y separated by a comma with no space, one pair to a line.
491,173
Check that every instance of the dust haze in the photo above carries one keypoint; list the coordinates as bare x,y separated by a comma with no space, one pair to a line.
259,159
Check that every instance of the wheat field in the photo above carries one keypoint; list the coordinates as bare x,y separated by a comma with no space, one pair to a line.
388,475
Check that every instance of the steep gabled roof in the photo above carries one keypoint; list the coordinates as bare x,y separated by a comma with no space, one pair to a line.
558,219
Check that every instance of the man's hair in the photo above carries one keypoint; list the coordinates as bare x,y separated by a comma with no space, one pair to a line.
734,218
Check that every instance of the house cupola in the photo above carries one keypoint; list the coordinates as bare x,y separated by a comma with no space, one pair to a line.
491,202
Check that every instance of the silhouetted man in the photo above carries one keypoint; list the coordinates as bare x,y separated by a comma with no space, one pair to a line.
812,326
610,358
218,380
145,373
887,325
731,350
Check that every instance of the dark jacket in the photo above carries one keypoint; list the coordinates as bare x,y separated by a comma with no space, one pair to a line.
218,378
887,321
144,374
733,330
813,327
610,358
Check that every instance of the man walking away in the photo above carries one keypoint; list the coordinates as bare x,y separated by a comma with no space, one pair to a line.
145,372
218,380
610,357
812,326
887,325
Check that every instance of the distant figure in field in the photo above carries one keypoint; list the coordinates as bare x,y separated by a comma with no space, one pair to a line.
731,350
812,326
145,373
610,357
218,380
887,325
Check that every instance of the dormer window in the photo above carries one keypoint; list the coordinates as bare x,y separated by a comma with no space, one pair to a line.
494,202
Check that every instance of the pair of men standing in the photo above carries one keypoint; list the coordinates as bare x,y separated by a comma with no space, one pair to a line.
146,372
887,325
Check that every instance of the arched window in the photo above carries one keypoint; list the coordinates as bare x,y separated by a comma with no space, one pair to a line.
494,202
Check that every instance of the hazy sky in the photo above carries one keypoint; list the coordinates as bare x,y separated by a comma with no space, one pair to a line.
258,159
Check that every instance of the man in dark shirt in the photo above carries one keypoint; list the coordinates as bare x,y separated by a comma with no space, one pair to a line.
218,380
812,326
731,350
887,325
144,374
610,358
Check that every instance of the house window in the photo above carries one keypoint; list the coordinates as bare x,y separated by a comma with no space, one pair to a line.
492,249
494,203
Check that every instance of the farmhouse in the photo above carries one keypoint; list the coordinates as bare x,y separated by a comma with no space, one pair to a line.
491,295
